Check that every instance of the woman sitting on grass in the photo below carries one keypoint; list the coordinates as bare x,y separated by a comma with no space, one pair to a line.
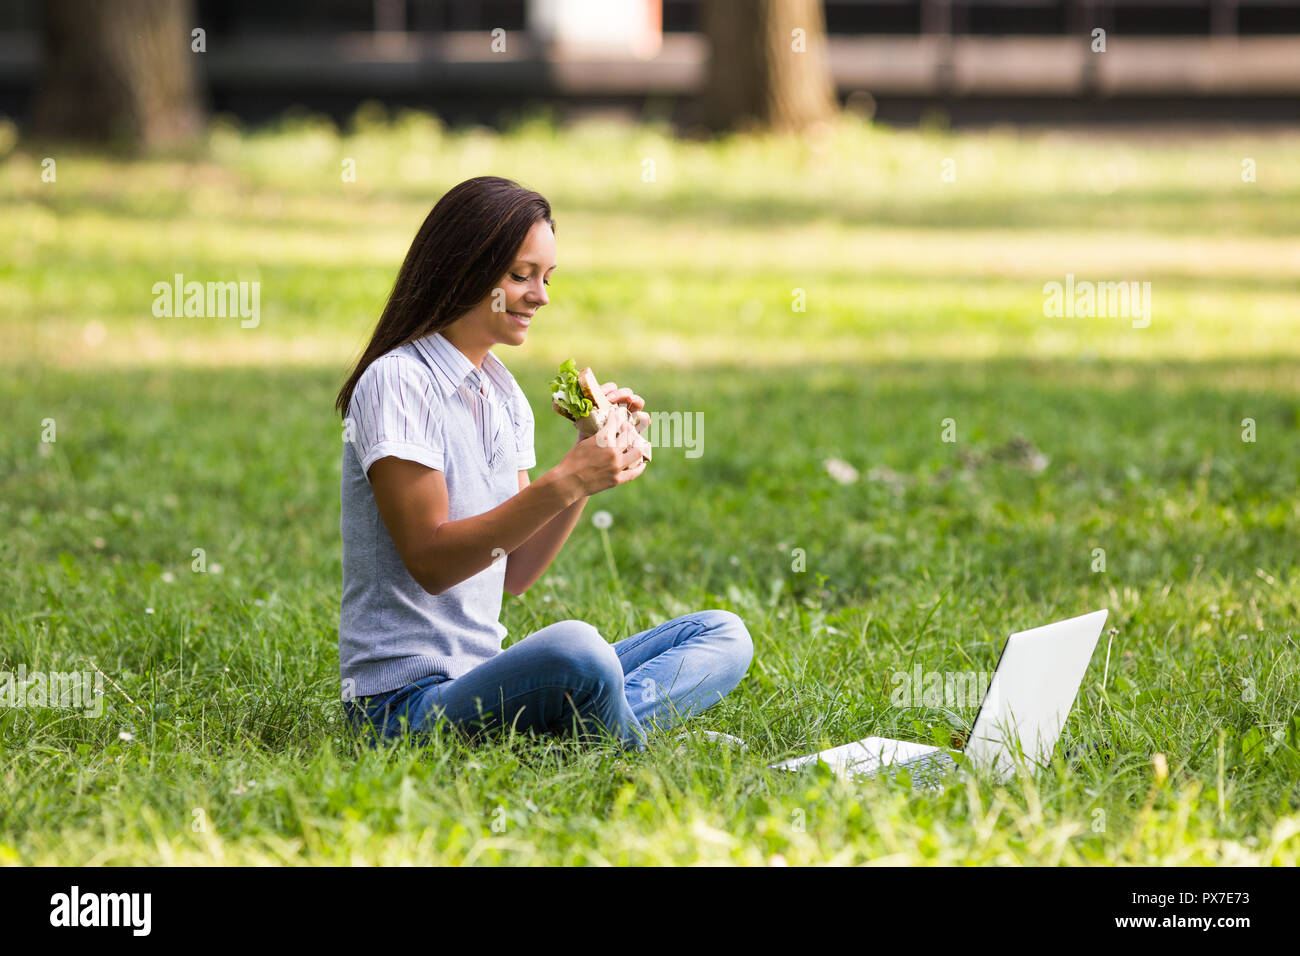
439,515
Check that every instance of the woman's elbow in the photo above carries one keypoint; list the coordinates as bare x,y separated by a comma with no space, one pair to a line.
427,578
517,584
429,586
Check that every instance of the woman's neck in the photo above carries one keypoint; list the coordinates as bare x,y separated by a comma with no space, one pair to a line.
476,352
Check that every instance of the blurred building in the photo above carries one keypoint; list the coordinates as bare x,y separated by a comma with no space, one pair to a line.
977,59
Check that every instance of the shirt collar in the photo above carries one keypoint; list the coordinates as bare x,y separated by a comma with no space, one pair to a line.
453,369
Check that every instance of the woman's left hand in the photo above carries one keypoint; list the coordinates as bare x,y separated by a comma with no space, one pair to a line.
633,402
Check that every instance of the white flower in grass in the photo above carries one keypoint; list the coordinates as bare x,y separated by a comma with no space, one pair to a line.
168,577
602,519
148,610
125,735
841,470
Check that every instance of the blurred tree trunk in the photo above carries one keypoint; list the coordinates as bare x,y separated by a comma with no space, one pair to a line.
119,71
761,73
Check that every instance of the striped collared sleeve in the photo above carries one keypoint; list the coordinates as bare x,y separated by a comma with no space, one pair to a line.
396,411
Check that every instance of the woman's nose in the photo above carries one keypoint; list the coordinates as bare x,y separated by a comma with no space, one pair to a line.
537,293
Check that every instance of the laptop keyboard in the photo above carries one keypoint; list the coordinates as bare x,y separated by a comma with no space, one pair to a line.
927,771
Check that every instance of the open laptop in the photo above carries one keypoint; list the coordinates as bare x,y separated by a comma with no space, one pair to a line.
1029,698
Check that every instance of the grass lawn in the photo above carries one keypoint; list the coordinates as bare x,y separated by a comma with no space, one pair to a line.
1078,441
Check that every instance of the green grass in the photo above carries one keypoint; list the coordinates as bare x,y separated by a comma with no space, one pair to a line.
924,302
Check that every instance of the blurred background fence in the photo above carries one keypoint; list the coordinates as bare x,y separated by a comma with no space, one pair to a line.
974,60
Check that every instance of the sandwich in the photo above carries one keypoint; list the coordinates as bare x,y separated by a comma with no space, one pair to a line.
578,397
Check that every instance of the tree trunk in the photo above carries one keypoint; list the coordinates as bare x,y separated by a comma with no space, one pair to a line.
119,71
762,74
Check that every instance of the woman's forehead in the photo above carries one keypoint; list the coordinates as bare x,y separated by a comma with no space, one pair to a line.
538,247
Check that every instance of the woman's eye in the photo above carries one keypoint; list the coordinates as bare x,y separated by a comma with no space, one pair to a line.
518,278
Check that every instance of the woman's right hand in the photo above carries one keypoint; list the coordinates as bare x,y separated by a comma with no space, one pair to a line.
607,458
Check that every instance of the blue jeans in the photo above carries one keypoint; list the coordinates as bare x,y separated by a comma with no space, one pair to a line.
567,677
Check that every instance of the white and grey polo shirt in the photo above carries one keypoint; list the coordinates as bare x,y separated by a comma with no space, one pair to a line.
425,402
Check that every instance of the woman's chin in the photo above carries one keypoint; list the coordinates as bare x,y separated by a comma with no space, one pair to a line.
511,334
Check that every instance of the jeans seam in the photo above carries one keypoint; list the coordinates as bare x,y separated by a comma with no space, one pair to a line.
651,633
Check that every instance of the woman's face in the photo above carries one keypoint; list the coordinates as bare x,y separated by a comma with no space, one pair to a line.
504,316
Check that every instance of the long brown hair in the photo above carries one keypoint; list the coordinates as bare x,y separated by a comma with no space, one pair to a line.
466,244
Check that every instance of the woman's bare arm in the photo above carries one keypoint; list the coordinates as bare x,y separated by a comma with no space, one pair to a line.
439,553
531,559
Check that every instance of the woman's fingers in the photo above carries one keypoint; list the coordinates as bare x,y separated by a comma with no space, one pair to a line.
608,434
621,432
623,396
632,471
628,427
626,436
617,432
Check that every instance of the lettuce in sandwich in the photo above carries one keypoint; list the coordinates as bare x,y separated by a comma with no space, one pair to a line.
567,394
